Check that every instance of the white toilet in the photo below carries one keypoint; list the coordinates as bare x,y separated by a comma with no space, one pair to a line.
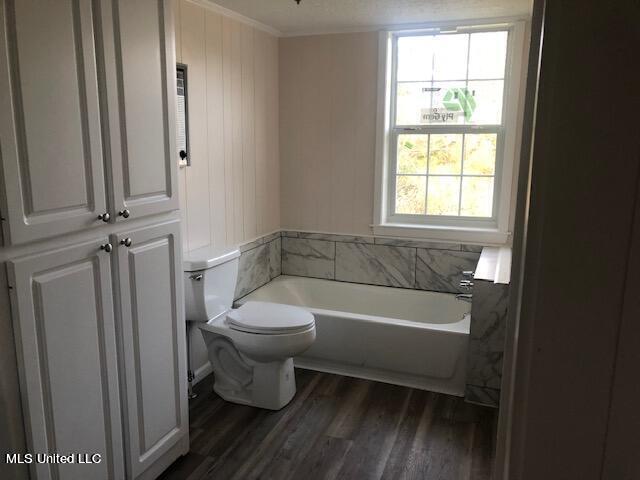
250,348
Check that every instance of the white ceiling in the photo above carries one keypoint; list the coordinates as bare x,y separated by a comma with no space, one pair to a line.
324,16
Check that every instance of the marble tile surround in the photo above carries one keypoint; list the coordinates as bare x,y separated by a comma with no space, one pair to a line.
384,261
376,264
308,257
487,337
259,263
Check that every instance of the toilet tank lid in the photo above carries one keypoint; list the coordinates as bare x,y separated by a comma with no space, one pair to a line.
208,257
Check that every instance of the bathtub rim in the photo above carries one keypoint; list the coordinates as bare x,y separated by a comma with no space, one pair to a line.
452,328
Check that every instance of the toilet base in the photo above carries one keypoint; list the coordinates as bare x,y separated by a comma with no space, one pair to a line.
242,380
272,387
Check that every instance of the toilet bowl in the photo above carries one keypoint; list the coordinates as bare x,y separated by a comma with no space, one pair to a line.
250,348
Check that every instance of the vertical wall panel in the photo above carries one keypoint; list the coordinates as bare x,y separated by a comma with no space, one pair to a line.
273,142
260,58
230,193
227,130
365,97
215,128
197,175
236,130
288,101
248,134
327,139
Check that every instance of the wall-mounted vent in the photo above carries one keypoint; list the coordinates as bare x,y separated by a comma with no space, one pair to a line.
182,121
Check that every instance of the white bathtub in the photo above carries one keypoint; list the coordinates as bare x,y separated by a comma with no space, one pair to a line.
406,337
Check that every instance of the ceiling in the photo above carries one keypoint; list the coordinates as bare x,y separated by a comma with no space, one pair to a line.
326,16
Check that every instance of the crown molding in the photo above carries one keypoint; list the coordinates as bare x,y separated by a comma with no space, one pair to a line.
214,7
411,26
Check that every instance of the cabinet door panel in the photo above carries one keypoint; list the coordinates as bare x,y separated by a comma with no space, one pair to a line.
50,133
153,322
65,333
140,82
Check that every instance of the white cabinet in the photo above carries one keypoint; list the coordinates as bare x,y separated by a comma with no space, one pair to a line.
140,86
87,114
72,338
65,333
153,333
50,130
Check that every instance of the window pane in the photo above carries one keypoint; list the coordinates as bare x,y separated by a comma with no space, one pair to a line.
413,98
412,153
487,55
487,95
443,196
448,104
445,155
410,194
477,197
415,58
450,59
480,154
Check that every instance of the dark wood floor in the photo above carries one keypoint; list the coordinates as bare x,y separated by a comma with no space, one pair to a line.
339,428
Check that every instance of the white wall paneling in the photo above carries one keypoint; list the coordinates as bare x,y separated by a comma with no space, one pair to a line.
328,119
230,192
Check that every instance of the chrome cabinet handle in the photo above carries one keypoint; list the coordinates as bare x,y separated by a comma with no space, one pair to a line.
105,217
124,213
107,247
126,242
468,273
197,277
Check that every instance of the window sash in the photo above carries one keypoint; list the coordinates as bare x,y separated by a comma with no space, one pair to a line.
424,218
426,129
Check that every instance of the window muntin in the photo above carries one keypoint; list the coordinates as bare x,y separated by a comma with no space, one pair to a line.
447,126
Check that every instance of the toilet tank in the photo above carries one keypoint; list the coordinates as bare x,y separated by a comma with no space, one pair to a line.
210,276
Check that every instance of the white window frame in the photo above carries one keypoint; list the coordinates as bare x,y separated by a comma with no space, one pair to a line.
493,231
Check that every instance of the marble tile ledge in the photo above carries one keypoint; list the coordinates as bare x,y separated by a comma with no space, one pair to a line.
494,265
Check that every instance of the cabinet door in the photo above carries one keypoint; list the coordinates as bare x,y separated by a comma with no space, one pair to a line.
140,74
152,312
50,132
66,343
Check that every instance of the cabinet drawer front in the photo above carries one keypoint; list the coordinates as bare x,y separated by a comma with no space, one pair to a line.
64,327
50,131
153,324
141,88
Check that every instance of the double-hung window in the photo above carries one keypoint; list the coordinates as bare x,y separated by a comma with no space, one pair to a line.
451,114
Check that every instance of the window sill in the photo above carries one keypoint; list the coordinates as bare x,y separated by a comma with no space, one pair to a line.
480,236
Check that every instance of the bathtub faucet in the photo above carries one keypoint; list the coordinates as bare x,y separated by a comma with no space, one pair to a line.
465,297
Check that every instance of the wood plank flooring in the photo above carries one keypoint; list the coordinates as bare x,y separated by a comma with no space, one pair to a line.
339,428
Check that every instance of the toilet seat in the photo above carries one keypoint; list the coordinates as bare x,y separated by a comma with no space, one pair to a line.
269,318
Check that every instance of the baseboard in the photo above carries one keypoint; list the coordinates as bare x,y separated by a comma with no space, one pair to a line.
180,449
202,372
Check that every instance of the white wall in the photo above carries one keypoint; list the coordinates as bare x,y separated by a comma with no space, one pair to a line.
328,103
230,193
